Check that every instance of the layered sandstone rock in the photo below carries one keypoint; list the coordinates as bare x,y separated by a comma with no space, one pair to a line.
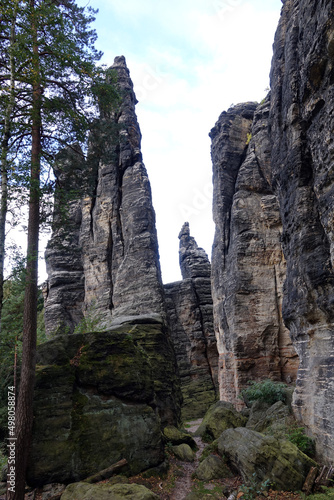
248,265
189,306
302,138
113,246
64,291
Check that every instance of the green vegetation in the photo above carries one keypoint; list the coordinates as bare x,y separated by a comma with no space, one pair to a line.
249,136
201,490
298,437
11,334
254,489
90,323
266,391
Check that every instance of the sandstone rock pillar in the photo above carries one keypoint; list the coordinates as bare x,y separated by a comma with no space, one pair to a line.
248,266
189,307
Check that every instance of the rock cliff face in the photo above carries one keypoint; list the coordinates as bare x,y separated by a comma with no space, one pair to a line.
247,260
189,307
302,138
273,209
116,273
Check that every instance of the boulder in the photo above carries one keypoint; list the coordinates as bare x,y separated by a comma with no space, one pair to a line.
264,419
86,491
268,458
183,452
175,436
95,403
52,491
220,416
212,467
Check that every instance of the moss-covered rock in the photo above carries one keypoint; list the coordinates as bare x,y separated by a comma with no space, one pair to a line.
198,395
86,491
183,452
212,467
266,457
175,436
220,416
96,400
266,418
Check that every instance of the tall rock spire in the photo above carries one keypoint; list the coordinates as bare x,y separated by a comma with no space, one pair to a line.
189,307
118,274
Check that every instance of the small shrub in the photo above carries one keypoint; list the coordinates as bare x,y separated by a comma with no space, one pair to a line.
249,136
254,489
298,437
267,391
91,321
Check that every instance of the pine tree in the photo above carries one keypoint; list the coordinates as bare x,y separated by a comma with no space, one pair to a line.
56,89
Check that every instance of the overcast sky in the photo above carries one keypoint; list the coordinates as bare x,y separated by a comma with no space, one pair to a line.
189,60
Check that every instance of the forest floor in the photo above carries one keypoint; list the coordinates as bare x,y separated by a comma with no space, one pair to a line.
180,480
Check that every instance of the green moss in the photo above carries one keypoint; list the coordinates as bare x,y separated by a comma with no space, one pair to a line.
220,416
175,436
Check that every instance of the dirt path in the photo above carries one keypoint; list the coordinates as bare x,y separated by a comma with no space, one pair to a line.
183,484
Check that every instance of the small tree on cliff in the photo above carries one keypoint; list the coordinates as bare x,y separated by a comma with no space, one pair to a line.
56,87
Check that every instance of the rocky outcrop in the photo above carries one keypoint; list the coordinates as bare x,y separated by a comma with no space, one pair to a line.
189,307
219,417
98,399
108,267
248,266
302,139
265,458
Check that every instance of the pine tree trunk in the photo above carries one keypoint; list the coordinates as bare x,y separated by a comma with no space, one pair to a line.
24,413
4,155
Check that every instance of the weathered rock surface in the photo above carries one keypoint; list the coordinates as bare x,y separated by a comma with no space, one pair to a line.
65,288
280,461
212,467
302,139
220,416
183,452
86,491
113,249
269,419
98,399
248,265
189,308
176,437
